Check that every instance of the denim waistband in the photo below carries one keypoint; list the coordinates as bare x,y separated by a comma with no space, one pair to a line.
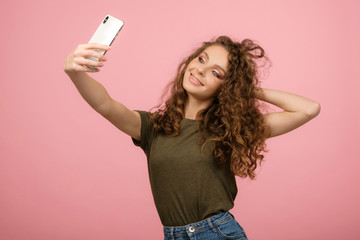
198,227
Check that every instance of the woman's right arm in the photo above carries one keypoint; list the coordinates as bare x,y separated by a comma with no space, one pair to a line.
94,93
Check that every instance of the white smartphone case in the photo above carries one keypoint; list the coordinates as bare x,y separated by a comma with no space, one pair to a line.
106,33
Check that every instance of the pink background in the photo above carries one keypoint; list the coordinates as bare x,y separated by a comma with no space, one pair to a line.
66,173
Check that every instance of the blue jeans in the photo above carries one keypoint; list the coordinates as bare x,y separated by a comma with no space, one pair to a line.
220,226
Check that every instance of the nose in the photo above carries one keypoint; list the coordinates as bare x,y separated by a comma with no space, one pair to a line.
200,70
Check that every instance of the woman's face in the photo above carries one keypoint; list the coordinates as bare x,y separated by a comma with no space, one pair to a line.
204,74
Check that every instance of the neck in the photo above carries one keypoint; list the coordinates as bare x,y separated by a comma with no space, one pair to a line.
194,106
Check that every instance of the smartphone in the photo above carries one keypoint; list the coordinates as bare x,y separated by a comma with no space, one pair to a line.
106,33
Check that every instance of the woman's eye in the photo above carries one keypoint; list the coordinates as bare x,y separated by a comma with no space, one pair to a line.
216,74
201,60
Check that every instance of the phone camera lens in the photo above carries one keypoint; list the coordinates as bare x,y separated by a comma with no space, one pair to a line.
105,20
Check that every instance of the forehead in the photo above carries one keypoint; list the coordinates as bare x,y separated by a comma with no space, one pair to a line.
217,55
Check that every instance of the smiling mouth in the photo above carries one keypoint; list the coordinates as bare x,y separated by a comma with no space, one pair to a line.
195,80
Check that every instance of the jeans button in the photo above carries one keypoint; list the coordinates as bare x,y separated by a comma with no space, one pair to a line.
191,229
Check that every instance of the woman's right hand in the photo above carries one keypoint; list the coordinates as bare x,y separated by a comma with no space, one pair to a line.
76,61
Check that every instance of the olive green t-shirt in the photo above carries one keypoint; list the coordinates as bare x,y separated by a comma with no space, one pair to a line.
187,185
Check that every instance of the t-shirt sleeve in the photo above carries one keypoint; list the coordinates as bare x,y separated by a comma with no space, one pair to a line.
147,133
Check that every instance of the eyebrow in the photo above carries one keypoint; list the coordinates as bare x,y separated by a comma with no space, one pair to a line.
216,65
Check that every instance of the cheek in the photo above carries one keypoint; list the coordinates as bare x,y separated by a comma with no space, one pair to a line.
193,63
184,81
216,85
186,74
212,80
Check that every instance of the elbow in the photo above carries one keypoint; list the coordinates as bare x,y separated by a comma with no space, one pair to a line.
313,110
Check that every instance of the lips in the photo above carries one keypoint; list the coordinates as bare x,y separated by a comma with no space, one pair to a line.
194,80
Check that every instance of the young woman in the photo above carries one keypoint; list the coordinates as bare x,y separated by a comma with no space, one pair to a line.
208,131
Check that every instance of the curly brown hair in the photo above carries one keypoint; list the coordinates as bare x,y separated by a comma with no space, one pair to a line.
233,123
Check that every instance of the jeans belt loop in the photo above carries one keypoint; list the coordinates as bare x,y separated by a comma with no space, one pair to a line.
211,225
172,233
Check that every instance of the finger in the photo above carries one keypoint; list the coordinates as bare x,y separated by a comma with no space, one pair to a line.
82,53
91,69
89,62
92,53
97,46
84,68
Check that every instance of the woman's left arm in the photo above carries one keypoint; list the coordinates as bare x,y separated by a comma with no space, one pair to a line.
297,111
